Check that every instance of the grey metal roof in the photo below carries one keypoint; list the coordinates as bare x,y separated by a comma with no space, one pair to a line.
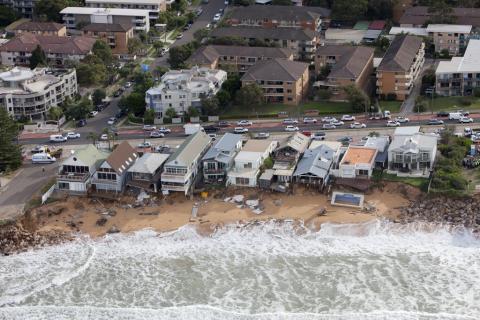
276,69
298,142
189,150
149,162
315,161
227,144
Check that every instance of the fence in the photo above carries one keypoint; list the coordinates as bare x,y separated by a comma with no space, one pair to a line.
47,194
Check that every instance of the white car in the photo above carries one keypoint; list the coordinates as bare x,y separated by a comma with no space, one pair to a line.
226,2
156,134
290,121
57,138
164,130
111,121
244,123
93,113
393,124
329,119
73,135
465,120
347,117
104,137
402,119
148,127
357,125
309,120
327,126
128,84
217,17
145,144
240,130
337,123
291,128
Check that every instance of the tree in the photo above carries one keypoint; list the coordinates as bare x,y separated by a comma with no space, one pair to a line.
224,98
160,71
178,55
200,34
193,112
179,5
349,10
91,71
232,84
229,41
149,116
92,136
7,16
102,50
49,10
250,96
324,72
10,152
136,103
38,57
55,113
79,110
170,113
98,95
358,100
380,9
441,12
135,46
282,2
210,106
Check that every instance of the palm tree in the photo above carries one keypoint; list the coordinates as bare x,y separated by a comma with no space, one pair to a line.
92,136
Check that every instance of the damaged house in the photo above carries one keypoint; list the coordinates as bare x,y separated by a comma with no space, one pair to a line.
286,157
314,167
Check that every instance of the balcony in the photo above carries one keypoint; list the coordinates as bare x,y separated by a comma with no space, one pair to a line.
173,188
178,178
213,171
71,176
104,181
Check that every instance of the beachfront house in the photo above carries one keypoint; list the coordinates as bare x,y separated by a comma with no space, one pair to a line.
219,158
313,169
112,173
145,173
412,153
248,162
286,156
181,170
76,172
380,143
357,162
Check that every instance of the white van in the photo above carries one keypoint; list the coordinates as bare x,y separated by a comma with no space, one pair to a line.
43,158
455,115
57,138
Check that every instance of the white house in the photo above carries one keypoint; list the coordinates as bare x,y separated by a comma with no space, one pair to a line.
181,170
76,172
153,6
220,157
111,174
248,162
357,162
181,89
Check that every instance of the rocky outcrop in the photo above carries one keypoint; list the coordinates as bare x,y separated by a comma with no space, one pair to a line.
465,212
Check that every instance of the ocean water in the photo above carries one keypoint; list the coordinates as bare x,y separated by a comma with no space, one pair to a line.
376,270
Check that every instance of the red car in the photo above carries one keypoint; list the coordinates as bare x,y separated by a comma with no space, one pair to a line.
307,133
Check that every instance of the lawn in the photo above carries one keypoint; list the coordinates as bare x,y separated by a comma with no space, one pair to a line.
453,103
421,183
392,106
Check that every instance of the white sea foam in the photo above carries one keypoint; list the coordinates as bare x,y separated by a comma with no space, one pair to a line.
376,270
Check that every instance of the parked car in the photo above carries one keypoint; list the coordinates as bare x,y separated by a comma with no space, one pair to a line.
156,134
128,84
104,137
164,130
57,138
226,2
328,126
217,17
307,133
93,113
442,114
318,135
357,125
455,115
289,121
179,36
212,136
392,123
434,122
118,93
145,145
111,121
309,120
337,123
164,51
43,158
73,135
40,149
402,119
345,139
347,117
244,123
223,124
208,26
149,127
291,128
329,119
465,120
210,129
262,135
81,123
240,130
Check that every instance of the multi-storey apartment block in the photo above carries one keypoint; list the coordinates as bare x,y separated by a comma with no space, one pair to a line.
41,28
153,6
450,37
115,35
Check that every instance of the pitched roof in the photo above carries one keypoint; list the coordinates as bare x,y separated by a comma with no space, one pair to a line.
400,54
351,62
122,158
106,27
276,69
272,12
39,26
316,161
470,62
209,54
256,145
149,162
298,142
90,155
227,143
189,149
377,25
27,42
419,15
265,33
413,143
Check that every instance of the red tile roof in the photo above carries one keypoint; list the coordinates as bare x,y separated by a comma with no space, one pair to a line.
377,25
50,44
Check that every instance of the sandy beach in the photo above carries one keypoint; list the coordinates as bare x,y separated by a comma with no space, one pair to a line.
82,214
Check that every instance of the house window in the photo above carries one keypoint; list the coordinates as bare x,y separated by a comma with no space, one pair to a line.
363,172
247,165
106,176
242,181
64,185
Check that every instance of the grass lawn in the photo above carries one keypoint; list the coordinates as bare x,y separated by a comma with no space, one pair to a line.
453,103
392,106
421,183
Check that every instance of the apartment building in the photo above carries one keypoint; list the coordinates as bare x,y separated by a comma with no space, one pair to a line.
41,28
219,158
31,93
115,35
77,17
450,37
461,75
180,172
24,7
248,162
59,50
282,81
348,65
400,67
153,6
302,42
419,16
181,89
273,16
75,174
236,59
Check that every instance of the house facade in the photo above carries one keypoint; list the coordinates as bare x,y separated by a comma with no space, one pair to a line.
181,89
282,81
450,37
76,172
357,162
116,36
26,93
41,28
112,173
220,157
154,7
400,67
286,156
145,173
461,75
248,163
24,7
181,171
313,169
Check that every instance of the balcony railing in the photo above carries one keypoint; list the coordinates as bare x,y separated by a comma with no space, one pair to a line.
213,171
73,176
104,181
173,188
